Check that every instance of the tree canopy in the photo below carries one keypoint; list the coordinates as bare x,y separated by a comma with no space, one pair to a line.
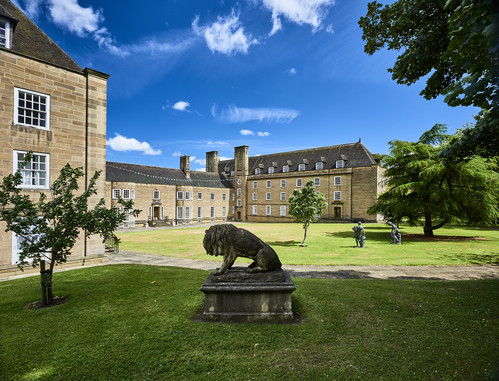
47,229
427,188
454,45
306,205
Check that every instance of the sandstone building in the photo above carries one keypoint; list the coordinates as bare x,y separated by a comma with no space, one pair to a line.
249,188
53,107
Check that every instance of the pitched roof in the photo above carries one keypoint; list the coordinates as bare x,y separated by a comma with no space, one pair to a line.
353,154
31,41
144,174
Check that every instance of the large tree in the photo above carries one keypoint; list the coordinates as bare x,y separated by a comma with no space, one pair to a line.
47,229
306,205
429,189
454,45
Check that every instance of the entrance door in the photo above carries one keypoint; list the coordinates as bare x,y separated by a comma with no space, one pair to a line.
337,212
238,215
156,215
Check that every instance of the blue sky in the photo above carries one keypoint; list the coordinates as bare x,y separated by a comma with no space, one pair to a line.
187,77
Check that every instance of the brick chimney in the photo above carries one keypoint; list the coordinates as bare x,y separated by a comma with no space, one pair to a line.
184,165
212,162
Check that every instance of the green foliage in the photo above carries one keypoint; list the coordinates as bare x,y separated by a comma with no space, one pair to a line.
454,44
306,205
424,185
50,226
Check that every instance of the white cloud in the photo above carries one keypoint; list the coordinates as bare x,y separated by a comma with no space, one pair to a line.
330,29
201,169
223,158
311,12
124,144
263,133
225,36
247,132
177,154
292,71
181,106
217,143
199,161
234,114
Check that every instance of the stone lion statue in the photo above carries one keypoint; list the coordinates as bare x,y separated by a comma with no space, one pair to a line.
233,242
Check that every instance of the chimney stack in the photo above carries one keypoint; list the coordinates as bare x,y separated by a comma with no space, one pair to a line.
212,162
184,165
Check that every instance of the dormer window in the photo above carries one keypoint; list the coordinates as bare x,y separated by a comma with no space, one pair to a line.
4,33
340,163
257,171
271,169
301,167
285,168
319,165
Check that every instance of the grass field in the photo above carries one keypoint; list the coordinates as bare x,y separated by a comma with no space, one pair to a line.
332,244
130,322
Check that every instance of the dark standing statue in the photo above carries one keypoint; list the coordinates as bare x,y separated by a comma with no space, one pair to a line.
395,233
359,234
232,242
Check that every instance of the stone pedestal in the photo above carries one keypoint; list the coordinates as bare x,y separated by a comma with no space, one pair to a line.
241,296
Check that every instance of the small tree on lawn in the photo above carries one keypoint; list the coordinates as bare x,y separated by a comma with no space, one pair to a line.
48,229
306,205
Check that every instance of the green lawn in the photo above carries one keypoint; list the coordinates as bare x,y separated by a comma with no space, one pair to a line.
130,322
332,244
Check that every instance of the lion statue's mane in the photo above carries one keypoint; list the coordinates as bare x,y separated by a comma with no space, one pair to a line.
232,242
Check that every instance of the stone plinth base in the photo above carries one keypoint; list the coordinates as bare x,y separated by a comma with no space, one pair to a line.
241,296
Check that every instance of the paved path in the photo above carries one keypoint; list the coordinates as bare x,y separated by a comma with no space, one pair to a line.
321,272
331,272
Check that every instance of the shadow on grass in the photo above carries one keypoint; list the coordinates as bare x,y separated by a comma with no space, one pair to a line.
384,236
284,243
476,259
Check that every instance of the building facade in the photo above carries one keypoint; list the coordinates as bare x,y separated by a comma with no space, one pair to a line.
51,106
348,175
168,196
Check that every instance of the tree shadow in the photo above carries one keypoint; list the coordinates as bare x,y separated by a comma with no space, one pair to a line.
284,243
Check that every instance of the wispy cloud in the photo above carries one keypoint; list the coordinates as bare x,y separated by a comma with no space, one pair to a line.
124,144
223,158
263,133
246,132
225,36
217,143
177,154
311,12
291,71
234,114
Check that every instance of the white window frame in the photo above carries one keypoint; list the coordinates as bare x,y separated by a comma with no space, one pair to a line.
162,216
319,165
255,184
283,183
301,167
188,196
239,192
257,171
224,196
149,213
32,170
126,194
299,183
116,193
282,210
232,173
233,210
32,109
255,196
212,212
337,181
15,248
268,196
255,210
6,31
156,195
271,170
180,212
239,202
268,210
200,212
285,168
283,196
180,195
268,184
340,164
337,195
187,214
224,211
212,196
317,181
200,195
132,194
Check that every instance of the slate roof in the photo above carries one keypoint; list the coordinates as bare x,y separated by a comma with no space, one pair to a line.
31,41
353,154
144,174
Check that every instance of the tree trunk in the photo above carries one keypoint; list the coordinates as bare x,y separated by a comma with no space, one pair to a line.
50,273
304,236
43,283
